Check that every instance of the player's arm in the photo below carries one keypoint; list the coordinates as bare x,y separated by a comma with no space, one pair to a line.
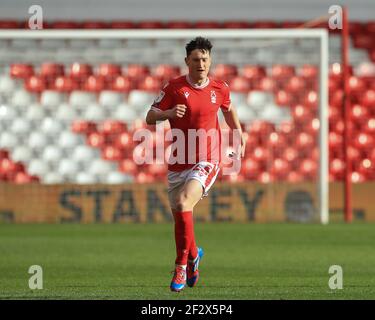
154,115
231,118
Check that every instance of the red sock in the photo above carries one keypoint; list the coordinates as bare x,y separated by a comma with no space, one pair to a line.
193,252
184,233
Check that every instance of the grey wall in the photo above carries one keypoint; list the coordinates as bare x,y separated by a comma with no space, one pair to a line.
185,9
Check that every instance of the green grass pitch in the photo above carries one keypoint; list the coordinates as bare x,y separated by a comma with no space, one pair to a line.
133,261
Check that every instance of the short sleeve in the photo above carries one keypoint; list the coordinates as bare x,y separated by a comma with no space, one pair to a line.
164,100
225,106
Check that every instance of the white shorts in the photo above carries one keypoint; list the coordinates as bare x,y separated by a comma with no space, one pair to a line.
204,172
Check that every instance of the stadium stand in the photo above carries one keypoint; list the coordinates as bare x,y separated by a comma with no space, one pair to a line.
65,121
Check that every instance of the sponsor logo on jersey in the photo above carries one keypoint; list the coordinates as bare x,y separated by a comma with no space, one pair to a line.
159,97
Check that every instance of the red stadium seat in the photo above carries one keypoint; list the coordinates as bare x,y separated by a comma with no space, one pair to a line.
9,24
301,114
224,71
309,72
250,168
4,154
240,84
21,71
364,141
368,98
295,84
265,25
150,25
143,177
335,141
356,85
309,169
51,71
124,141
356,28
294,177
121,84
276,141
95,25
128,166
35,84
94,84
66,25
265,177
304,141
357,177
237,25
22,178
137,71
113,127
112,153
109,71
370,27
166,72
65,84
337,168
284,98
279,168
207,25
150,84
363,41
369,126
266,84
83,127
123,25
178,25
291,24
291,155
359,114
282,71
253,72
95,139
80,71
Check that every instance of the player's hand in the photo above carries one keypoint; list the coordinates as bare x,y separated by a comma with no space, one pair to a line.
178,111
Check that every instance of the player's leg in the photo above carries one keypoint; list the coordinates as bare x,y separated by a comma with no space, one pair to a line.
183,200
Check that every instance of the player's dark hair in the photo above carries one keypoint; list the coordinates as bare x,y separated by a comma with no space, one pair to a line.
198,43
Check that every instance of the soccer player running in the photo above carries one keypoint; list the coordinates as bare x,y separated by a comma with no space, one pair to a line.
192,102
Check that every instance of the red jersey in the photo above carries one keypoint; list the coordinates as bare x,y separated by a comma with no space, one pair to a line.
203,103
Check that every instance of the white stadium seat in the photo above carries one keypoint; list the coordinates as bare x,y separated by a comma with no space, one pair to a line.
274,114
110,99
21,126
100,167
53,178
238,98
68,168
38,167
81,99
84,154
8,140
125,113
52,153
51,99
22,153
35,112
94,113
140,99
116,177
258,99
51,127
85,178
7,113
66,113
245,113
22,98
69,139
7,86
37,140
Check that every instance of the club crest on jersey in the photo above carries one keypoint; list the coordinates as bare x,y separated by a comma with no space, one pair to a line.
186,94
213,96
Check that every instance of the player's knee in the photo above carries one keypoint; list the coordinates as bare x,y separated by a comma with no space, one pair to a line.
183,203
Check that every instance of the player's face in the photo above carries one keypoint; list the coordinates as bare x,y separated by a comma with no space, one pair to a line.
198,62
